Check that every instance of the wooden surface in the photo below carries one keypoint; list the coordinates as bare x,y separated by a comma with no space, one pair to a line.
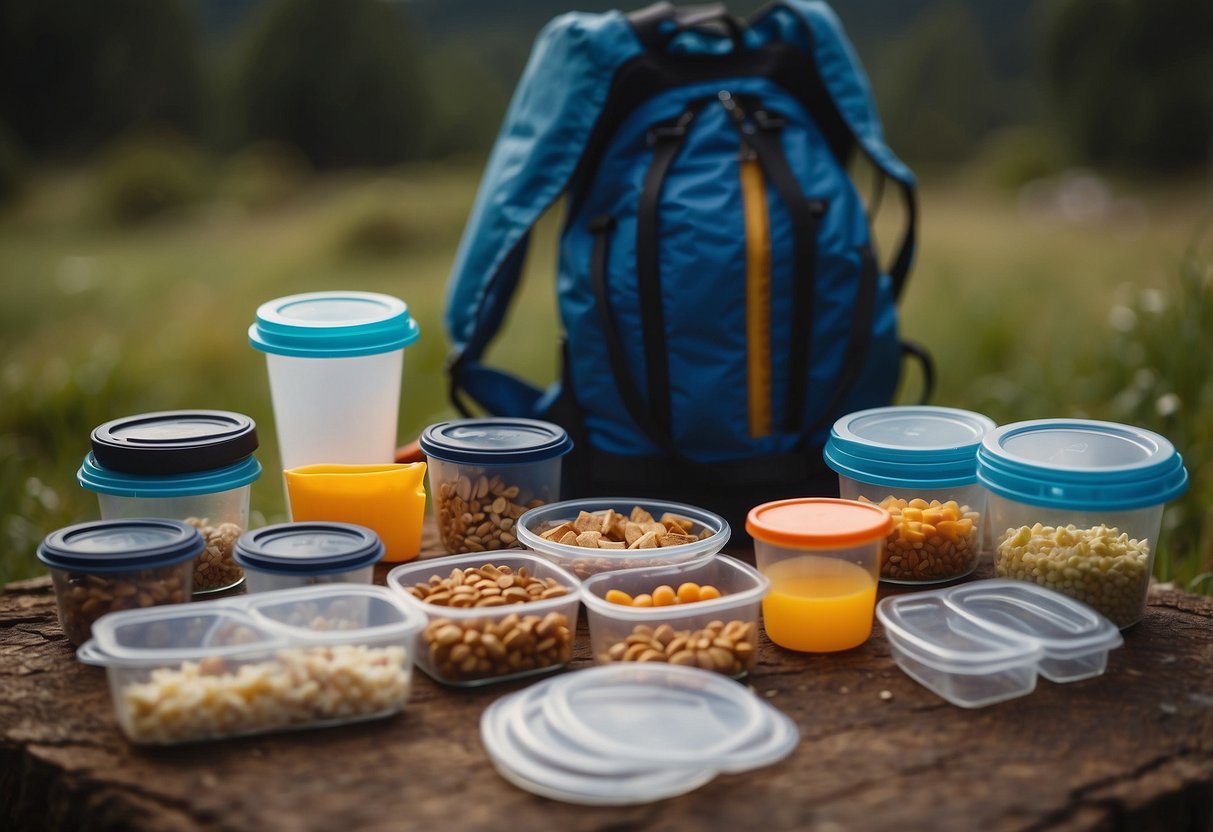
1132,749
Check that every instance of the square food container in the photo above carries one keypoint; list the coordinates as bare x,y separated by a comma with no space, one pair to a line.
986,641
708,532
490,616
715,633
1076,506
485,473
303,658
920,464
289,555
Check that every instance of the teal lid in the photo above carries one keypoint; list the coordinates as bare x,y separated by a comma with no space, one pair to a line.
333,325
908,446
102,480
1080,464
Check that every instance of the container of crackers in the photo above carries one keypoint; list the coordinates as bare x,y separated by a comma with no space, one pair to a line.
609,533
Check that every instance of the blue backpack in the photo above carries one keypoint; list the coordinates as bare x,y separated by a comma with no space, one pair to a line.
720,297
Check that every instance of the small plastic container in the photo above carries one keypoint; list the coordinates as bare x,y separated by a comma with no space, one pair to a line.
822,557
302,658
468,645
191,465
109,565
1076,506
710,533
920,464
290,555
485,473
986,642
672,634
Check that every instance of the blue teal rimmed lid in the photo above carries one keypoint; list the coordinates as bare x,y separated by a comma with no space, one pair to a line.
908,447
102,480
308,548
1081,464
333,325
495,441
108,546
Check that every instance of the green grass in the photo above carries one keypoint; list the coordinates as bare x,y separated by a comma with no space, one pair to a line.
99,321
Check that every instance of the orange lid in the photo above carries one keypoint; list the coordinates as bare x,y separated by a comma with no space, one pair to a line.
818,522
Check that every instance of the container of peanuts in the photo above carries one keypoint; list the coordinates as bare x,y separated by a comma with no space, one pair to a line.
191,465
702,614
276,661
290,555
918,463
110,565
1076,506
490,618
485,473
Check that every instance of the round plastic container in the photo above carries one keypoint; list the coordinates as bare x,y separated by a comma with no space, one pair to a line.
289,555
920,464
191,465
109,565
822,557
335,361
485,473
1076,506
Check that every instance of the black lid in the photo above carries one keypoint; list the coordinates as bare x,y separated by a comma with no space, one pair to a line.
104,546
174,441
307,548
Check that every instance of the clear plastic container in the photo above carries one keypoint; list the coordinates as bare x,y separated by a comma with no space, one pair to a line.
290,555
720,634
485,473
1076,506
109,565
471,640
920,464
706,534
191,465
303,658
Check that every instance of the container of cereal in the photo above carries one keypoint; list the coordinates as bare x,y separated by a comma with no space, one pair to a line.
109,565
191,465
484,473
920,464
289,555
702,614
490,616
301,658
1076,506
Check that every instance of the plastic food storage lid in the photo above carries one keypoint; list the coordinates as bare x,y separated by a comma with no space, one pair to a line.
818,522
1080,464
908,447
107,546
97,478
333,325
310,548
495,441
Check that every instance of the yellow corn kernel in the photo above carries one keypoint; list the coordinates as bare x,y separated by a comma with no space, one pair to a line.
618,596
663,596
642,600
688,593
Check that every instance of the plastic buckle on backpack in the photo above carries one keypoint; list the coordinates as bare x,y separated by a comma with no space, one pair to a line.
670,130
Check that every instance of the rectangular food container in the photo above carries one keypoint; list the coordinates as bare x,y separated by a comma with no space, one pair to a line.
718,633
490,616
302,658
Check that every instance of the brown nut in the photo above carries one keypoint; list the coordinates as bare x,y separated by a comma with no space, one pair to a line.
83,598
725,647
476,513
481,648
215,568
930,541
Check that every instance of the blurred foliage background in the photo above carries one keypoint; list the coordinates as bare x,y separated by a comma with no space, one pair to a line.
167,165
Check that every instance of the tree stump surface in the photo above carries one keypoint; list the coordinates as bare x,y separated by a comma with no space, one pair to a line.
1132,749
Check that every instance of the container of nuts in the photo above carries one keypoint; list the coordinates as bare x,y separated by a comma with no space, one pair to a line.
490,619
1076,506
110,565
920,464
191,465
485,473
702,614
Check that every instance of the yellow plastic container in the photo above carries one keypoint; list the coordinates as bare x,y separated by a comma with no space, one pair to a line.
388,498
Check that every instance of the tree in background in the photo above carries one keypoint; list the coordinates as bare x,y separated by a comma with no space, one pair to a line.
338,80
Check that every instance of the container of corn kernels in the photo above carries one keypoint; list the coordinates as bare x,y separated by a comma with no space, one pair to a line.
1076,506
920,464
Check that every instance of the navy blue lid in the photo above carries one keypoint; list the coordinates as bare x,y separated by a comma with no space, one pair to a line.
308,548
495,441
174,442
105,546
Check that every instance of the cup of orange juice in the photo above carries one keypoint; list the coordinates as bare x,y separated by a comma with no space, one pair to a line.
822,556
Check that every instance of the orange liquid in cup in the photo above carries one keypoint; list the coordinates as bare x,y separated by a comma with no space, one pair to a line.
819,605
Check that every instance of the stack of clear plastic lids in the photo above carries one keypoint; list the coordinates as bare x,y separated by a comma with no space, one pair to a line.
631,733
